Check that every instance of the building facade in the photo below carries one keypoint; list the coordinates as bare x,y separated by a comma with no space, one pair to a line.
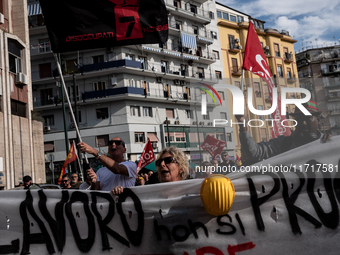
136,92
319,72
21,149
279,50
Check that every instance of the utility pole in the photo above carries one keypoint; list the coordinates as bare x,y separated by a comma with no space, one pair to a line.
167,127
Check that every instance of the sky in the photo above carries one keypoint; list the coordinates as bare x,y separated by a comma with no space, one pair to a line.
310,22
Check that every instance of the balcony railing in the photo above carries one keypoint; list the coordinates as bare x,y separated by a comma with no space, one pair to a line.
188,8
327,71
333,97
303,75
236,70
41,48
288,57
112,92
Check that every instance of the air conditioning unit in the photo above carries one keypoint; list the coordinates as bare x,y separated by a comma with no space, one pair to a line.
159,79
176,82
2,18
266,47
190,62
237,40
194,122
21,78
182,82
202,123
73,125
167,122
210,123
47,128
239,47
177,122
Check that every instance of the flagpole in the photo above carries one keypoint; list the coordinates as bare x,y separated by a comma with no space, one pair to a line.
68,101
242,80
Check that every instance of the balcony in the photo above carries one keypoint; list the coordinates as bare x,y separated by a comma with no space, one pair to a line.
330,71
234,48
188,11
288,58
334,112
291,79
202,35
236,70
331,85
305,75
111,64
40,49
112,92
335,126
333,98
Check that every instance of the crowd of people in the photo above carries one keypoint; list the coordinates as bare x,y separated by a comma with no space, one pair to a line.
172,164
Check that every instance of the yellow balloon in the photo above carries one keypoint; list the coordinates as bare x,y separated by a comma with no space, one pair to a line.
217,194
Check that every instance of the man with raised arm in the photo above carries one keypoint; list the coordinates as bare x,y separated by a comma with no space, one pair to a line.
117,171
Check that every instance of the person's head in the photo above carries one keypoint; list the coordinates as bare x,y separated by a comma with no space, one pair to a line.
117,149
74,178
225,156
172,165
66,181
150,173
307,124
21,184
214,162
27,181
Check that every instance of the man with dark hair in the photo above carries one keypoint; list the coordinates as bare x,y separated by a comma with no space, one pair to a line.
28,184
117,171
66,182
75,183
226,164
306,131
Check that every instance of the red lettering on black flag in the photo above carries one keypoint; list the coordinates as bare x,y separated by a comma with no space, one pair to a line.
88,24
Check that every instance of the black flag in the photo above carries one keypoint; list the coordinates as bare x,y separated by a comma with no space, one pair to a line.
87,24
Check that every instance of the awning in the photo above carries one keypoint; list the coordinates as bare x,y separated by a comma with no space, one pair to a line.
189,41
48,147
34,9
152,137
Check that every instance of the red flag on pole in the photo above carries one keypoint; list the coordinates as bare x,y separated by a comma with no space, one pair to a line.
147,156
255,61
71,156
213,146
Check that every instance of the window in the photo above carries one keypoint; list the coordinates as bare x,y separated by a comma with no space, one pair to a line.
229,137
218,75
49,146
184,70
178,25
219,14
98,59
180,137
257,89
211,15
216,54
102,140
234,65
71,94
200,72
102,113
164,66
129,56
213,34
260,107
45,70
79,116
14,56
279,71
18,108
240,19
44,45
100,85
232,18
225,16
46,96
266,91
289,73
193,8
188,113
171,136
177,3
170,113
277,50
223,115
195,30
144,62
134,111
231,42
147,111
206,117
71,65
48,120
221,94
238,84
139,137
263,135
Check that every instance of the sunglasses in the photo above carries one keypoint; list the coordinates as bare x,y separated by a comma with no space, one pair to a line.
167,160
116,142
64,180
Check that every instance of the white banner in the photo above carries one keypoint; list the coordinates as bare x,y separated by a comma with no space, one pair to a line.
273,213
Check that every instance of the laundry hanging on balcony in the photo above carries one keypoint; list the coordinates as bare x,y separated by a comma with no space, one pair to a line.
189,41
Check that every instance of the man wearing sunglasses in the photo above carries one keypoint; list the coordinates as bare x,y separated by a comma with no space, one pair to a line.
117,171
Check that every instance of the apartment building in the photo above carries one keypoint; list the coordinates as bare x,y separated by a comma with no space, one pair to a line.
279,50
21,143
136,92
319,72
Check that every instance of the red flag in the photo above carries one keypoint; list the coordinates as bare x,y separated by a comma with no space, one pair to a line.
255,61
213,146
237,157
147,156
71,156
